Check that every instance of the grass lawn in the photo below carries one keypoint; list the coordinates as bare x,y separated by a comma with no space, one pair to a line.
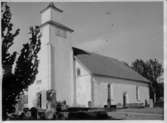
156,110
138,114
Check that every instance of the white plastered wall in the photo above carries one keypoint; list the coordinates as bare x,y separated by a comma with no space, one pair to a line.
118,87
56,61
62,66
43,74
83,85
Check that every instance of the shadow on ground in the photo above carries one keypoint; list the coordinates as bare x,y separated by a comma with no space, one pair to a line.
89,116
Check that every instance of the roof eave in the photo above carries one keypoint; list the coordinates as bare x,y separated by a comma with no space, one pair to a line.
101,75
51,22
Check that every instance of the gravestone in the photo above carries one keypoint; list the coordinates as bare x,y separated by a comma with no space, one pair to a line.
151,104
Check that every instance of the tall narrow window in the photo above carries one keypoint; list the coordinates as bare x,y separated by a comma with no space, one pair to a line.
112,92
78,72
109,94
137,93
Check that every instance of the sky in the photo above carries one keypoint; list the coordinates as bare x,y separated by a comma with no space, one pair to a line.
123,30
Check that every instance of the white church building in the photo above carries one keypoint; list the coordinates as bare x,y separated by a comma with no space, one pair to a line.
80,77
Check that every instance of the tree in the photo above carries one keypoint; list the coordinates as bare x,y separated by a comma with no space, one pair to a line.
8,59
26,65
7,39
161,89
151,70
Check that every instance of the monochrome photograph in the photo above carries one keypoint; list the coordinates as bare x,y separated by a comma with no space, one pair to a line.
82,60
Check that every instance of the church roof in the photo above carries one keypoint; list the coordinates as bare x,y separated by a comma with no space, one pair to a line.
109,67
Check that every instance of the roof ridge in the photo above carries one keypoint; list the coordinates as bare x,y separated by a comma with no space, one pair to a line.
108,57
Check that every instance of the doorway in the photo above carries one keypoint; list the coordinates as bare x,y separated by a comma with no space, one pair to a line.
39,99
125,99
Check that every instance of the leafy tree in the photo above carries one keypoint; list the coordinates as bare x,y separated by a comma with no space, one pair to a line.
8,59
26,65
7,39
161,89
151,70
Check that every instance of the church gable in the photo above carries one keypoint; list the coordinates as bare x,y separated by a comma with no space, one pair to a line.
83,84
81,69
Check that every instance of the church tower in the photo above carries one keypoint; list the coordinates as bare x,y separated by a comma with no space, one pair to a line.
56,56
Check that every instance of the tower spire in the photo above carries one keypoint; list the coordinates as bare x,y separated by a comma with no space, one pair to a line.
51,5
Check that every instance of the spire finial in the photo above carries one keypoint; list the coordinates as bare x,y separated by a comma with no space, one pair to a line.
52,5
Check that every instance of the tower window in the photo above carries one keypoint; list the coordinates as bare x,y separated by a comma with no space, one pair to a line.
61,33
38,82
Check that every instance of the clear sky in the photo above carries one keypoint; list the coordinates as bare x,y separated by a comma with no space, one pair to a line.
123,30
